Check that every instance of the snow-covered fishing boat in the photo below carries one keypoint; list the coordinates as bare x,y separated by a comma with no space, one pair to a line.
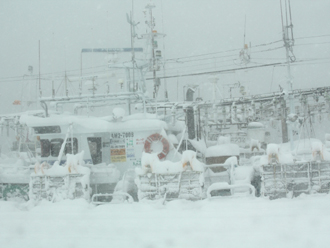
112,145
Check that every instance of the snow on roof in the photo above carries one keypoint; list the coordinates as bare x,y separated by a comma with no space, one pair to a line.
199,145
223,140
255,125
222,150
172,138
137,116
136,125
80,123
272,149
178,126
85,124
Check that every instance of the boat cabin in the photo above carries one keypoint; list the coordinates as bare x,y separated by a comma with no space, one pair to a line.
103,140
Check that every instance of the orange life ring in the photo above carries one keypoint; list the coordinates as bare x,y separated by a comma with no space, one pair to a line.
157,137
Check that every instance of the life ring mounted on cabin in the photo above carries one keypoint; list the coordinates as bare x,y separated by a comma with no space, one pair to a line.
157,137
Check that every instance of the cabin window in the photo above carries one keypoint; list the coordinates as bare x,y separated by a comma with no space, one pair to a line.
55,147
45,147
68,146
95,145
48,129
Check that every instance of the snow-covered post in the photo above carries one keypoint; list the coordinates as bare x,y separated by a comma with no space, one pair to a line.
64,143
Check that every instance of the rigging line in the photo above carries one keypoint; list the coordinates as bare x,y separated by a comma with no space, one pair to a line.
286,15
268,58
257,63
206,54
271,84
232,50
270,49
319,43
313,59
187,61
316,36
291,21
221,64
205,69
22,80
93,67
50,73
305,59
221,71
199,64
235,55
244,31
59,87
45,79
282,17
201,55
319,63
266,44
86,68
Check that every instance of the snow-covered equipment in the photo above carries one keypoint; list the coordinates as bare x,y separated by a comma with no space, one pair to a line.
256,131
14,179
60,182
254,145
124,191
219,153
273,153
317,151
116,197
220,180
283,180
170,180
232,188
327,141
284,177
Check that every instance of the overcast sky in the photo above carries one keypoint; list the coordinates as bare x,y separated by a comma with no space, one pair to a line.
192,27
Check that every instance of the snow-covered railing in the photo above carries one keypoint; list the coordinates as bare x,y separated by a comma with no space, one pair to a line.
226,186
215,173
60,182
292,179
170,180
117,197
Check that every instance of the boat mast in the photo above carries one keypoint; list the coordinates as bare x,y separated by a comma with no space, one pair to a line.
132,44
151,24
288,40
40,93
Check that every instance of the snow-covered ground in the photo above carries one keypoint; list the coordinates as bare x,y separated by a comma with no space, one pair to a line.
226,222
